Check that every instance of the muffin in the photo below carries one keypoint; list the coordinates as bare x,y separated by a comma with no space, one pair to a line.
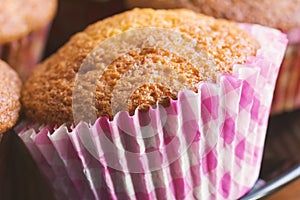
55,106
148,104
10,92
281,15
24,28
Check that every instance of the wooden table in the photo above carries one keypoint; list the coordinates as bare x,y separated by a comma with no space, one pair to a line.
282,151
20,178
290,192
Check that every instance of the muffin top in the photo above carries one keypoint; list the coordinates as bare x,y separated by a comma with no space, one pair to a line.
283,15
10,89
20,17
139,77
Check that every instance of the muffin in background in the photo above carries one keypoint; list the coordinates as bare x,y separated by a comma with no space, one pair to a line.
282,15
10,92
23,32
173,105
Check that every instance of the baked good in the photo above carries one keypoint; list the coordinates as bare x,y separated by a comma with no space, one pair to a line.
181,104
283,15
10,89
47,94
24,27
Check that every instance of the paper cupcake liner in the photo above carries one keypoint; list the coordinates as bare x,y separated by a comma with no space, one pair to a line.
287,92
206,145
23,54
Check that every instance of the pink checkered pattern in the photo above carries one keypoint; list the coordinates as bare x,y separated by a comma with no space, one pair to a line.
24,54
225,123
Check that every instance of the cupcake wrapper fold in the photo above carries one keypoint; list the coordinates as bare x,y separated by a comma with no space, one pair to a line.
287,91
205,145
23,54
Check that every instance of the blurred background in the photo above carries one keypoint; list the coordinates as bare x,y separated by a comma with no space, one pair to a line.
74,15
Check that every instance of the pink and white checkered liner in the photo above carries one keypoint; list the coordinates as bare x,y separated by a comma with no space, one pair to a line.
227,122
24,54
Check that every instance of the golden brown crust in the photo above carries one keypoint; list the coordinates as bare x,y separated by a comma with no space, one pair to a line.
47,94
10,89
278,14
20,17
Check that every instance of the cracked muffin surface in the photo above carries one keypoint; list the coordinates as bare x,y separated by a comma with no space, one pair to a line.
48,92
10,89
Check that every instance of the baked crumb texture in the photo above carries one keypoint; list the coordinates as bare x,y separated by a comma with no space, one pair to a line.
47,94
10,89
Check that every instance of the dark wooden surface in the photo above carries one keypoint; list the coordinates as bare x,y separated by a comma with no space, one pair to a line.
20,178
290,192
281,153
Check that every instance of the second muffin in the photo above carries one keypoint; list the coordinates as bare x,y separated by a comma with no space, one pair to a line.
23,33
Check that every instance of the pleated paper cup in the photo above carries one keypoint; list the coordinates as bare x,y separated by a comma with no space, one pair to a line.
205,145
24,53
287,92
